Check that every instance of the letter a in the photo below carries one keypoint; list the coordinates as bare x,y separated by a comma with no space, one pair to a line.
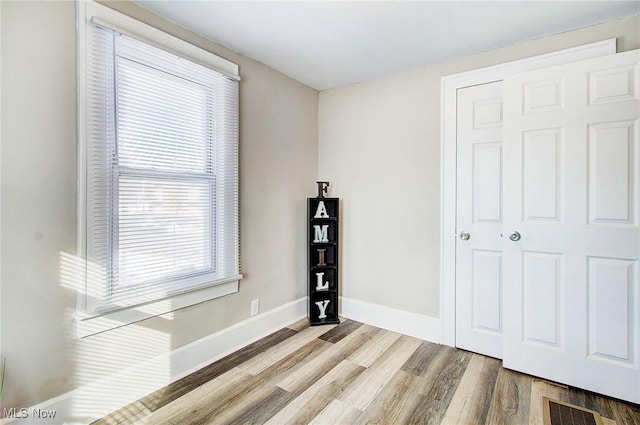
321,211
322,306
321,286
321,233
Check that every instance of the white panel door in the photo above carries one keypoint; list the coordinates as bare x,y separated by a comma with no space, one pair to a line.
572,191
479,216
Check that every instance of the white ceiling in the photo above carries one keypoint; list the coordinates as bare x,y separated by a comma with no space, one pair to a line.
327,44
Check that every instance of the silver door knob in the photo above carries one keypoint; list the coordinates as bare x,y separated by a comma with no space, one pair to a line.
465,236
514,236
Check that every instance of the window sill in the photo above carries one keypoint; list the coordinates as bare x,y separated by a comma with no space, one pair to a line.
87,326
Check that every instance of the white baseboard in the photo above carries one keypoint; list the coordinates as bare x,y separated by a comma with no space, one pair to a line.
407,323
93,401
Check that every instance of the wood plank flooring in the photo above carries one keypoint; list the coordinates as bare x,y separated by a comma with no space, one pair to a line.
354,373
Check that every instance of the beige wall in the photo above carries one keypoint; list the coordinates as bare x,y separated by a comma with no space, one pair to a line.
379,145
278,157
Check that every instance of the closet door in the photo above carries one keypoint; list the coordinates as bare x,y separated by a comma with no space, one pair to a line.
571,243
479,219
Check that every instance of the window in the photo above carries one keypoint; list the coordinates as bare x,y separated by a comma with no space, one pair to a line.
160,189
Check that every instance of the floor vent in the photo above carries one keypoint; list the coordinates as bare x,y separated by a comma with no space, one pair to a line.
560,413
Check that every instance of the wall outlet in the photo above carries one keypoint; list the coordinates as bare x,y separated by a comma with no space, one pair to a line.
255,307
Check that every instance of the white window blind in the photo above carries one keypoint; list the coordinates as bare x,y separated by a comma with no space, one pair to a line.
162,173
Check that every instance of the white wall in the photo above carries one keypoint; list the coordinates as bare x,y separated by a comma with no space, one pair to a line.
379,145
278,158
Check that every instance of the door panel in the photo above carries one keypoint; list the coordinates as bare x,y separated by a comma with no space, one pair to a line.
542,173
542,279
479,212
610,312
611,173
487,182
571,163
486,291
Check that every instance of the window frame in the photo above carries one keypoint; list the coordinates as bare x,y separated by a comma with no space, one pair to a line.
89,320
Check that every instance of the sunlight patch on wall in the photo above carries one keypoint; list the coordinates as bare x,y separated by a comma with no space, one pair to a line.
125,362
112,368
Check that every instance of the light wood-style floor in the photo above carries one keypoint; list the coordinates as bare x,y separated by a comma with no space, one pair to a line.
357,374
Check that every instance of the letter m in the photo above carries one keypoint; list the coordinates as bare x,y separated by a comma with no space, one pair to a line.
321,233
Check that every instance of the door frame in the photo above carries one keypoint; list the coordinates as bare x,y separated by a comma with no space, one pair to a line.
448,167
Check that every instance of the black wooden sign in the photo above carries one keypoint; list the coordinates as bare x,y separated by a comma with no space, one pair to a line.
323,221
